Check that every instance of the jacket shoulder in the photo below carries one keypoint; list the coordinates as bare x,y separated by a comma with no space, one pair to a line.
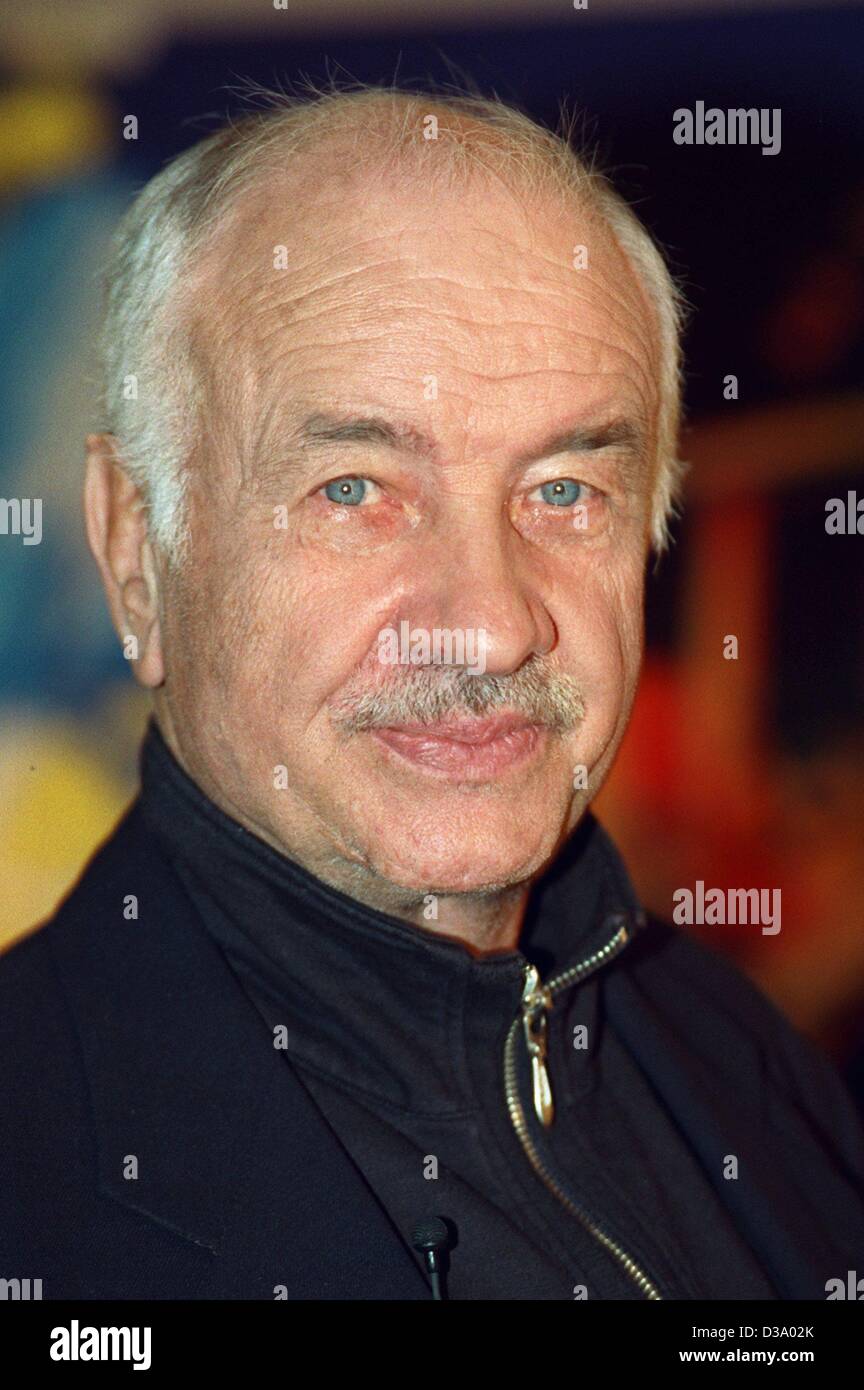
75,953
728,1020
46,978
63,990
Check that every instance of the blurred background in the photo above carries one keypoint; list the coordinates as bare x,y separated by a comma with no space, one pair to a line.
746,773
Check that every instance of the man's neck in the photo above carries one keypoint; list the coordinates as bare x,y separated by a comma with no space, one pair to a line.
484,922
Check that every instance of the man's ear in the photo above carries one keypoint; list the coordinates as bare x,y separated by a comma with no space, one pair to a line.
117,535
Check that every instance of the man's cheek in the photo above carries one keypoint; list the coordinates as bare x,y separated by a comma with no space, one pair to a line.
272,616
601,630
608,671
619,611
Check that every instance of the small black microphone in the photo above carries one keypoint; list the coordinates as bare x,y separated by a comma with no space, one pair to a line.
432,1238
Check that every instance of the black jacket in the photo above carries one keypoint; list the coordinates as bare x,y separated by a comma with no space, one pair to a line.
127,1040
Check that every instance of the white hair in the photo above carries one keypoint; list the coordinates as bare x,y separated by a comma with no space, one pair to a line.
152,393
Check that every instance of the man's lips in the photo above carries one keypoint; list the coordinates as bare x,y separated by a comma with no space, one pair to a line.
466,747
465,729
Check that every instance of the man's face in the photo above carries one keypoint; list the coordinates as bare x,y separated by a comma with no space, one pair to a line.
384,446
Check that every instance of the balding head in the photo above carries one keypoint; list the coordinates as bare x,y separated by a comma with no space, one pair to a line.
323,149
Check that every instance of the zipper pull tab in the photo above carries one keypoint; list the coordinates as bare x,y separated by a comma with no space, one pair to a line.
536,999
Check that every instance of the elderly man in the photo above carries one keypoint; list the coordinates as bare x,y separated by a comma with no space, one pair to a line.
358,1002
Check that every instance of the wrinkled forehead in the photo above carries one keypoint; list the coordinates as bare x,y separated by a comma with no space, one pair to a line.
365,290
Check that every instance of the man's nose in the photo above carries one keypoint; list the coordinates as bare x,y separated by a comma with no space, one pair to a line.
481,583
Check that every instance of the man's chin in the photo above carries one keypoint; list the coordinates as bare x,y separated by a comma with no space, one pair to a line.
462,866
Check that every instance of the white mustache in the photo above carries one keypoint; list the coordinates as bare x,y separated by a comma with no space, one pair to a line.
428,694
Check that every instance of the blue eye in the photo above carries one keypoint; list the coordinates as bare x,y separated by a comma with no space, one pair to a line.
349,491
562,492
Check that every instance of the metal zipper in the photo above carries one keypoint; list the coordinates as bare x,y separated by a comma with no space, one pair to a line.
537,998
